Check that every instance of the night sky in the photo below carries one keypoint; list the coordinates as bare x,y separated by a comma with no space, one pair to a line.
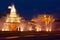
29,8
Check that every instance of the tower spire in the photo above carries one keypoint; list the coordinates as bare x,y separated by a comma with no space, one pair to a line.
12,8
13,11
12,20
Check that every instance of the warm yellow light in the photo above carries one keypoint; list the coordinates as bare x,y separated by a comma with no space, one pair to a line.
21,29
50,29
3,29
47,29
30,28
39,23
38,28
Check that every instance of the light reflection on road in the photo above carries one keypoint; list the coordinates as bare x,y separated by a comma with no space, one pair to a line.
12,37
26,36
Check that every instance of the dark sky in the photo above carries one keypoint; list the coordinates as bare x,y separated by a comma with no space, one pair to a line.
29,8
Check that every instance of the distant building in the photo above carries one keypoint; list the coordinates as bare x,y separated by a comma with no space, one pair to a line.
44,22
12,20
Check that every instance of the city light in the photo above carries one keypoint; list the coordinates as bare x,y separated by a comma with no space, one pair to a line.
14,22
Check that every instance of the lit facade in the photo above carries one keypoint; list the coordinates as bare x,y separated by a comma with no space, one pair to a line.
15,23
12,20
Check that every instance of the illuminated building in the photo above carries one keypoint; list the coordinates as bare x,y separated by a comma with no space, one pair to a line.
44,22
12,20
